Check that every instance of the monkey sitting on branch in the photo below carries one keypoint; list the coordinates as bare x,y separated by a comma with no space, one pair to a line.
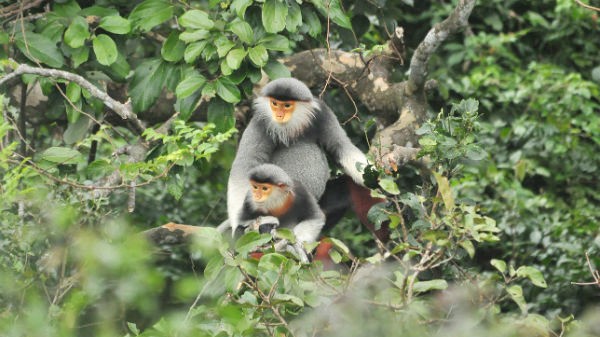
276,201
297,132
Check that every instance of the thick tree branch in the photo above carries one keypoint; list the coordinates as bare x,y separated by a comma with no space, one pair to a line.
434,38
366,79
123,110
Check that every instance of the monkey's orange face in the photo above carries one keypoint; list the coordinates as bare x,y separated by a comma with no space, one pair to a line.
260,191
282,110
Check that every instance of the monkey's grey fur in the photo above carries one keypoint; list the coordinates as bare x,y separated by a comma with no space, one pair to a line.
304,217
299,146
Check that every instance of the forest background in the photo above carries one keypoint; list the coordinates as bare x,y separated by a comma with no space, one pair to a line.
121,116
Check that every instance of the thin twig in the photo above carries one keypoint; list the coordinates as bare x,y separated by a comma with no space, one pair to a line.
597,9
123,110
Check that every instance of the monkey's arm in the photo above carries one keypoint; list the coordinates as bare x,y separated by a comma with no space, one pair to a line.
255,148
336,142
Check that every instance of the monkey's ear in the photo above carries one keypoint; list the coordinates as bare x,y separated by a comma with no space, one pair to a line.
282,185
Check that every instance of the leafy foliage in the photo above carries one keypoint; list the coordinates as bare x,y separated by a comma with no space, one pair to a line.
487,236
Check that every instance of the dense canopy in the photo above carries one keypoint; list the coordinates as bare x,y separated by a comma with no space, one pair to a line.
481,120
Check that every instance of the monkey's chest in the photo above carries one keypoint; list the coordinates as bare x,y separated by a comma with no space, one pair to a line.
305,162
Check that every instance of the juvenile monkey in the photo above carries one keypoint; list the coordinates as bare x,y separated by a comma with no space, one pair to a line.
295,131
273,194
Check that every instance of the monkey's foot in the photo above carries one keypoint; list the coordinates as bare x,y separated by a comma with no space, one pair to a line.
295,249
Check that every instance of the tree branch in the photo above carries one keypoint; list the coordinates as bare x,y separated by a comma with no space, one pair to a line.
434,38
123,110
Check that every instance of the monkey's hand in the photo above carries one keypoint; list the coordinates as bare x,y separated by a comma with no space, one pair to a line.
267,224
295,249
262,224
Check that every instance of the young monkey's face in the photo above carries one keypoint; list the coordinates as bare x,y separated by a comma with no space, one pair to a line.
261,191
282,110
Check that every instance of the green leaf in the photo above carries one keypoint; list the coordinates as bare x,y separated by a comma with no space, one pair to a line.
80,55
468,246
189,85
196,19
105,49
4,39
516,294
77,32
279,298
221,114
175,186
99,168
532,274
193,50
250,242
147,83
115,24
62,155
294,18
333,10
173,48
66,9
312,21
377,214
120,68
271,262
39,48
223,45
445,191
235,57
227,90
76,131
275,70
150,13
274,14
209,90
194,35
275,42
186,106
243,30
258,55
341,246
73,92
476,153
240,6
208,242
424,286
98,11
389,185
499,264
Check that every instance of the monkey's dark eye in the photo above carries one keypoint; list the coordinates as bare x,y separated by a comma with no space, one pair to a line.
254,187
265,188
287,105
274,103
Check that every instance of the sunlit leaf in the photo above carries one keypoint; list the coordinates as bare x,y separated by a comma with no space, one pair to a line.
258,55
235,57
533,274
196,19
243,30
516,294
115,24
105,49
274,14
77,32
227,90
499,264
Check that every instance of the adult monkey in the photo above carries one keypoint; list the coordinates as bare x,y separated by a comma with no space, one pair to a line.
294,130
